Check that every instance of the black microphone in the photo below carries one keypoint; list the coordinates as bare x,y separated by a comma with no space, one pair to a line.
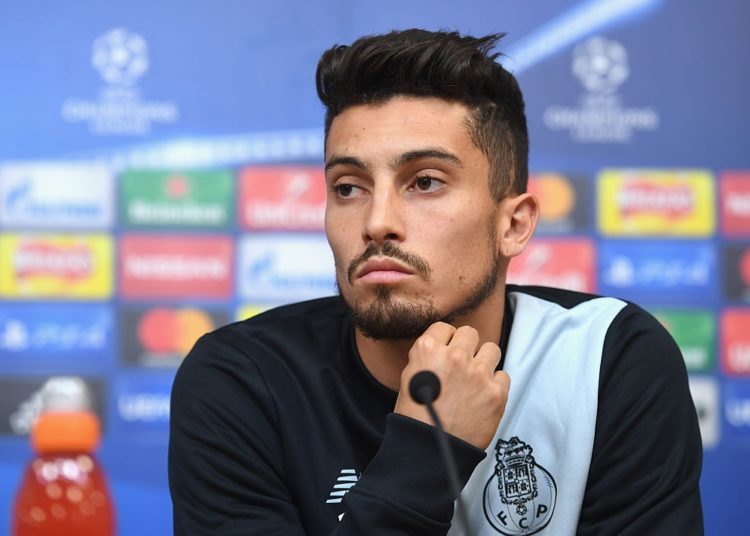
424,388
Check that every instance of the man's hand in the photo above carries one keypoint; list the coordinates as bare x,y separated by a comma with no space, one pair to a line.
472,395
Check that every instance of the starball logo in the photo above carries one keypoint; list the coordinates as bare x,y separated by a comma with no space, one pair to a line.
121,57
602,66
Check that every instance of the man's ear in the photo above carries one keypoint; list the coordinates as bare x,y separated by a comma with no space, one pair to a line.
519,216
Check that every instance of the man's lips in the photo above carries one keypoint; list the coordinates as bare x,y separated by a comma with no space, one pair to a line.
383,271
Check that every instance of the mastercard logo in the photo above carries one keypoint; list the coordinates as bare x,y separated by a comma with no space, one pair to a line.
163,330
555,194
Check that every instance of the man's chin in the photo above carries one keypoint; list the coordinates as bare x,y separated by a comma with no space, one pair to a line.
385,317
390,328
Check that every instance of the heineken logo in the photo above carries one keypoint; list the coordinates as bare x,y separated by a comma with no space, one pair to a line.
189,199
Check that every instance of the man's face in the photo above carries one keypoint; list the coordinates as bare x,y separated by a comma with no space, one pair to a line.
409,216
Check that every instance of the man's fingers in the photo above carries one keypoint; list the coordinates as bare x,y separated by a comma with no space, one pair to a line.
467,338
503,379
489,355
438,333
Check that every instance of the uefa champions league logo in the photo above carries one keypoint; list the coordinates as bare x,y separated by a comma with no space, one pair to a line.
601,65
601,116
120,56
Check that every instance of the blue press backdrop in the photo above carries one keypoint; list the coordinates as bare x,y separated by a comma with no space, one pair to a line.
230,84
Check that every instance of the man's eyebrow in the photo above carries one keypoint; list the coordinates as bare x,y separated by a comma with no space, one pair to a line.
399,161
346,161
440,154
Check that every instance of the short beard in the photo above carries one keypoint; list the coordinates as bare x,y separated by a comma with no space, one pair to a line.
387,318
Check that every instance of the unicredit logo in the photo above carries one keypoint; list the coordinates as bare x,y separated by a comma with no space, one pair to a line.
180,267
282,198
738,203
566,264
672,200
541,268
72,262
278,215
739,357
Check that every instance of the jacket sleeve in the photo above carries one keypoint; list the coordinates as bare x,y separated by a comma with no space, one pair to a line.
647,455
227,472
405,489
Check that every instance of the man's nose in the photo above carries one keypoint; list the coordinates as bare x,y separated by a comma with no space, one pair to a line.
384,220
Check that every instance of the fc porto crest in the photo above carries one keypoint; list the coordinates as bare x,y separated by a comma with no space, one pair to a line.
520,497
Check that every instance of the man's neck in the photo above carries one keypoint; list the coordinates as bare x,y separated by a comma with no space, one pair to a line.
385,359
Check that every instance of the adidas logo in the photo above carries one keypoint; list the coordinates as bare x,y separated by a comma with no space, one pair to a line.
346,479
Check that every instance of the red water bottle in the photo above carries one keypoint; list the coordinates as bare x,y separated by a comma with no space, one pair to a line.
64,491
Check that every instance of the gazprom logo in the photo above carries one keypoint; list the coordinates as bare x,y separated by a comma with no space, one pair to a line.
287,267
22,200
49,195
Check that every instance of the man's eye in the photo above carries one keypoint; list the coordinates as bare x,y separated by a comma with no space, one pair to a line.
427,184
345,190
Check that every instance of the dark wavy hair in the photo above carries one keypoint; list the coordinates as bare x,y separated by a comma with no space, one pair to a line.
446,65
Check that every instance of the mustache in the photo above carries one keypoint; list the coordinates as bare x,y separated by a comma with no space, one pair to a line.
390,249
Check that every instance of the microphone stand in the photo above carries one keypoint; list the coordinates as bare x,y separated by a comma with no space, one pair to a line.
451,466
426,386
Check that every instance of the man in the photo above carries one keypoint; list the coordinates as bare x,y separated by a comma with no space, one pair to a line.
299,421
